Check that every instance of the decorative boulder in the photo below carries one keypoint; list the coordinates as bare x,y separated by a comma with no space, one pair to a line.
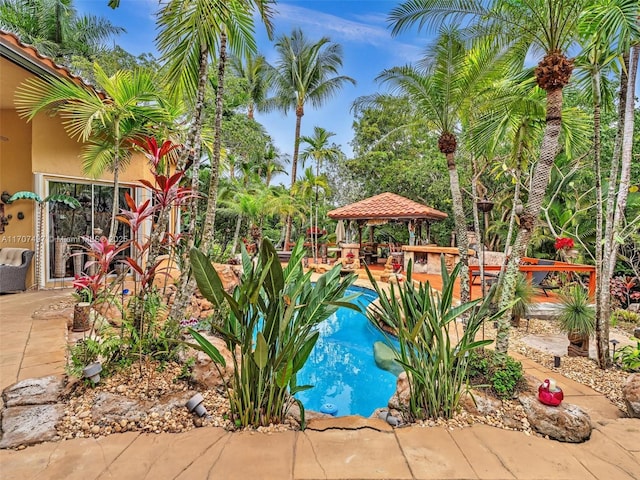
400,399
385,358
34,391
204,372
631,395
565,423
30,424
479,403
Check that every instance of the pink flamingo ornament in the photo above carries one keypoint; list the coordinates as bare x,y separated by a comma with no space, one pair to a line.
549,393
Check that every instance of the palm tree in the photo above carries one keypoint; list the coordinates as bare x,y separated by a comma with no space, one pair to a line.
446,86
109,122
305,72
190,32
54,27
603,21
253,69
318,149
548,26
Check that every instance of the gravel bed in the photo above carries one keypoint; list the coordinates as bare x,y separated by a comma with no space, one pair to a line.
147,381
583,370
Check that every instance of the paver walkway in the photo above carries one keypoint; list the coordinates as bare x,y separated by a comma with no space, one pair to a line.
371,450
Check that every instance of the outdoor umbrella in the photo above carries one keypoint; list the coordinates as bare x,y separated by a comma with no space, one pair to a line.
340,232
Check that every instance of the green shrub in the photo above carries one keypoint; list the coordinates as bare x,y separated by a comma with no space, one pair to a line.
271,322
505,377
422,319
577,315
502,373
625,316
629,358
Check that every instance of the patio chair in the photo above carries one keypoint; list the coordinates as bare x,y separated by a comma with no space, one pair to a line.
538,278
14,264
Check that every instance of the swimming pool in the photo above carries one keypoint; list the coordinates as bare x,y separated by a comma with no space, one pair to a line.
341,366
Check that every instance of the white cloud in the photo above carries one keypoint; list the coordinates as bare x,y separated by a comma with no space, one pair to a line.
369,30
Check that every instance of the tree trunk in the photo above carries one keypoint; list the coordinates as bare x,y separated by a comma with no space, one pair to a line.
115,206
192,148
461,227
626,154
539,182
614,218
294,169
512,222
236,235
210,217
602,340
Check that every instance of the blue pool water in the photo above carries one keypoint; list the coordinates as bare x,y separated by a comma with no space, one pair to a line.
342,368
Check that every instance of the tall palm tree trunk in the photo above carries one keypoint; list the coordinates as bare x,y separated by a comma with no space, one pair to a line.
461,226
539,182
236,235
191,150
601,341
294,169
115,205
626,154
210,216
606,274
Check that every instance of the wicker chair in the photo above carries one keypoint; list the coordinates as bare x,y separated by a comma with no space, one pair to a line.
14,264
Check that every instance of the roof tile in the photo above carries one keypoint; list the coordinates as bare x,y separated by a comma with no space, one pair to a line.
386,205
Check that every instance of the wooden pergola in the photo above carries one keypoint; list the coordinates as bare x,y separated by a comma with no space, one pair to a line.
385,207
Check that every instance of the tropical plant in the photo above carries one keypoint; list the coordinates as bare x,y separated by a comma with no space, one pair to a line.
305,72
42,204
423,320
190,31
488,369
272,324
550,27
55,28
629,357
523,298
576,315
445,84
319,150
127,110
253,70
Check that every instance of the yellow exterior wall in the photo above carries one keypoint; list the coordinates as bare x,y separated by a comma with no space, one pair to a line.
54,153
16,175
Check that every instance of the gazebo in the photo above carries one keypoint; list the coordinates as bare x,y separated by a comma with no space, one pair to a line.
385,207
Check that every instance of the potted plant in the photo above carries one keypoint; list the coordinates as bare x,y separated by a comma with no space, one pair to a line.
85,292
578,319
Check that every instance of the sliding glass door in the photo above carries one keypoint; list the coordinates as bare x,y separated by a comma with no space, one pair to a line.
67,225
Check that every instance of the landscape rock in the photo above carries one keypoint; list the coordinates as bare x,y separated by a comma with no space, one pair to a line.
400,399
385,358
565,423
634,307
227,275
112,407
31,424
631,395
203,372
484,404
34,391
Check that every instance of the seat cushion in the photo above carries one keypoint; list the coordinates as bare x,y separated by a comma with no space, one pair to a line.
11,256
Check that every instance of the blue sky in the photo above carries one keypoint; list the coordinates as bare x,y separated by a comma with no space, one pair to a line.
359,26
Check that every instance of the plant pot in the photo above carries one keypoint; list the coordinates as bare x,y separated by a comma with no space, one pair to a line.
196,405
578,345
81,317
78,261
60,258
92,372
